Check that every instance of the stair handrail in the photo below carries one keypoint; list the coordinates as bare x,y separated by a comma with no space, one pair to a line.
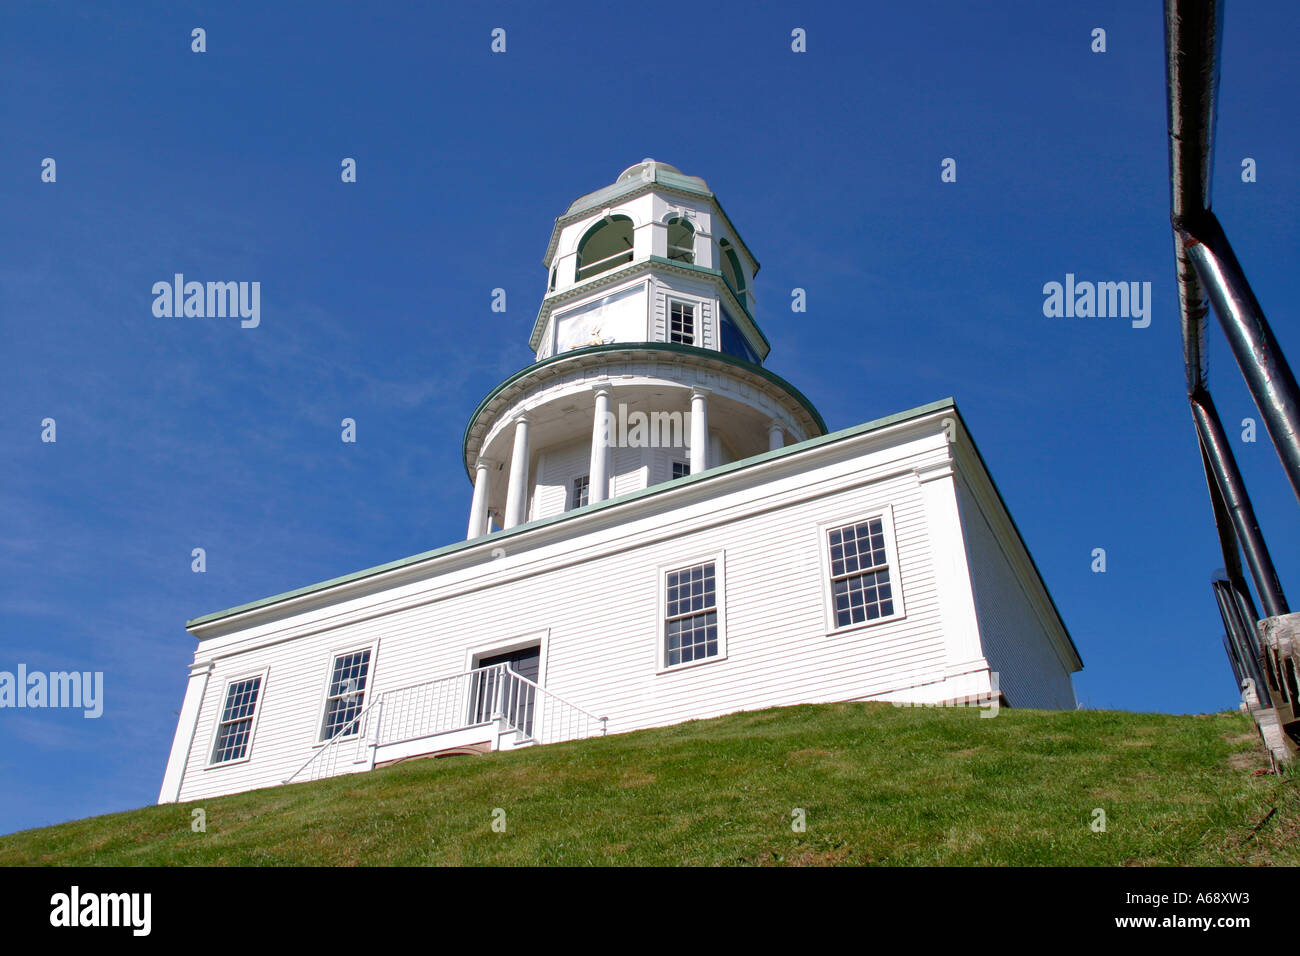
549,693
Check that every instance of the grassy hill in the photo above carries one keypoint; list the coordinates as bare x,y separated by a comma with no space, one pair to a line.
877,784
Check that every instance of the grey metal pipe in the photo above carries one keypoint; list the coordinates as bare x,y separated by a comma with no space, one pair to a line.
1222,520
1258,354
1231,651
1249,617
1239,637
1233,572
1228,478
1193,35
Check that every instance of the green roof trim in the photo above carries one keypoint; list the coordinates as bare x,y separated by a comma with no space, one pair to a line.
498,536
598,198
772,377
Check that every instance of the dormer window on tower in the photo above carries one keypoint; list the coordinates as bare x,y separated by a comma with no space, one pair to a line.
681,241
607,245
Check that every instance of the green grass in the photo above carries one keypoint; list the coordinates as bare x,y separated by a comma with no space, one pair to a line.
878,785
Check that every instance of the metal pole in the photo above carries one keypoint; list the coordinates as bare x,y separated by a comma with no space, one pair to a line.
1241,602
1260,358
1246,615
1231,651
1239,636
1228,478
1193,33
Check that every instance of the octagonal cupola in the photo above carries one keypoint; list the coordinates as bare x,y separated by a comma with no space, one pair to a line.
648,360
650,258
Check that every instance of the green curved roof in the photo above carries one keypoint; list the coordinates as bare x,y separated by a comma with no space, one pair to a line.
648,172
636,176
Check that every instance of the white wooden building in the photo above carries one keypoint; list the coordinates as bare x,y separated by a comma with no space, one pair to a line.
661,529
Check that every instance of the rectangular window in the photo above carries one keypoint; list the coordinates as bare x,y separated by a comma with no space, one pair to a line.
860,584
579,495
235,729
681,323
681,469
347,694
691,615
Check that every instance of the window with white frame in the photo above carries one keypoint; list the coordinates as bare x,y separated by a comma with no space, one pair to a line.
346,695
691,625
861,589
235,728
580,493
681,323
681,469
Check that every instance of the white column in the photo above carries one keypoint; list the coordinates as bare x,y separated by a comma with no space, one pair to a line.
478,509
517,490
699,430
775,435
598,472
715,449
183,741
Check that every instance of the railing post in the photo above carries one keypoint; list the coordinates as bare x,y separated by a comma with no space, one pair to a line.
374,736
497,689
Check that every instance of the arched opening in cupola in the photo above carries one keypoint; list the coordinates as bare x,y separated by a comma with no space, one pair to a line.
731,270
681,240
607,245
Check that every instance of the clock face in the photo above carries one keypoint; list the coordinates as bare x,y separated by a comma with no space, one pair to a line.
575,334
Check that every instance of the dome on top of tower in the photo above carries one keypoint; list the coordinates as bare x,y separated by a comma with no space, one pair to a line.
636,176
638,170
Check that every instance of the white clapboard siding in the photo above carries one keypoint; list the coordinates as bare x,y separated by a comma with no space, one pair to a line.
589,588
702,294
628,465
1030,671
558,467
556,471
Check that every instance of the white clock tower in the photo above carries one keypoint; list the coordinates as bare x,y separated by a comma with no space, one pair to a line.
649,364
662,530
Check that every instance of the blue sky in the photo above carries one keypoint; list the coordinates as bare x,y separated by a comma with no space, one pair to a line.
183,433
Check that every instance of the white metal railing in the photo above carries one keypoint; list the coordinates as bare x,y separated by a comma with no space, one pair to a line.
349,751
542,716
478,697
433,707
